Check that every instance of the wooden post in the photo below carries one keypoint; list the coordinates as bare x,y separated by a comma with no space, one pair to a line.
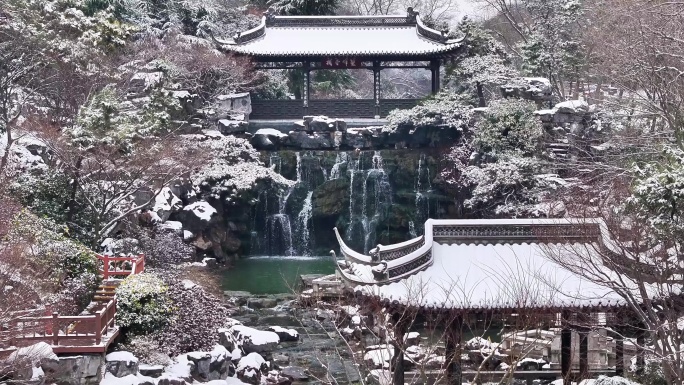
307,87
141,260
55,328
640,342
98,326
619,356
566,353
398,357
376,87
434,69
453,350
584,354
105,267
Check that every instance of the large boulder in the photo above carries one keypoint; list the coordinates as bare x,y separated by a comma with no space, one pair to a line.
197,216
322,124
285,335
121,364
230,104
268,139
208,366
166,203
229,127
253,340
313,141
25,362
251,367
74,370
294,373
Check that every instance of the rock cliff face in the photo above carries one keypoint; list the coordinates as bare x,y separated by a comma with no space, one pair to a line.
370,196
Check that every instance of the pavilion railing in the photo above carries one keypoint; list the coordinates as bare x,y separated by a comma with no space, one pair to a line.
121,266
334,108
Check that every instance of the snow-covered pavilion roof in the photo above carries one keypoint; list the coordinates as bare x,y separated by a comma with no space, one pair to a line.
343,36
493,264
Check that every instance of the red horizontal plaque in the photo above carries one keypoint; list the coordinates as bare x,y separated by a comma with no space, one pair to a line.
349,62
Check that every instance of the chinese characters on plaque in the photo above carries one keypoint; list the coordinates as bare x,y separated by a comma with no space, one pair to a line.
349,62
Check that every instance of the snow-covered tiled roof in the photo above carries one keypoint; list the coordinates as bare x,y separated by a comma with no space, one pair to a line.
469,264
342,36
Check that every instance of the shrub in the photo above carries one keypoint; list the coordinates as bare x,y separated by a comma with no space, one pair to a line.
194,324
143,303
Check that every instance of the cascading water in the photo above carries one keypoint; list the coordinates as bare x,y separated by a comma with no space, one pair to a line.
376,196
303,219
422,198
341,159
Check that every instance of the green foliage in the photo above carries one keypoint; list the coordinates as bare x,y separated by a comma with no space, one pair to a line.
108,120
658,192
509,125
71,266
445,109
143,304
66,29
554,48
50,196
304,7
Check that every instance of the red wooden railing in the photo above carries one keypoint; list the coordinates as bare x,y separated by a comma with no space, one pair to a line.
74,334
65,330
119,266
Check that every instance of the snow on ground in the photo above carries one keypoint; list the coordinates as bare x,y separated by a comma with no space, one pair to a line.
202,210
278,329
257,337
131,379
123,356
34,352
251,361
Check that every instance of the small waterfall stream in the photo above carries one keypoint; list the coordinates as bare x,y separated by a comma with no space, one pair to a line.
373,198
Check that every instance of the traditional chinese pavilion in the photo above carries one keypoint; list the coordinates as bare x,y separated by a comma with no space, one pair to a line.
313,43
474,271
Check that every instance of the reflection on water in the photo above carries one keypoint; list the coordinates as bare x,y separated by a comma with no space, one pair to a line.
274,275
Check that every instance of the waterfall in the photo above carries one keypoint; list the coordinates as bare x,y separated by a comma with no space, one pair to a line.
280,234
375,195
422,200
412,229
303,220
340,159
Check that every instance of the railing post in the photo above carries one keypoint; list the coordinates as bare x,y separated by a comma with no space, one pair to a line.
105,267
55,328
98,327
141,264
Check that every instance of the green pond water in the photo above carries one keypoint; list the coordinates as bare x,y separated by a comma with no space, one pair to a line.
273,275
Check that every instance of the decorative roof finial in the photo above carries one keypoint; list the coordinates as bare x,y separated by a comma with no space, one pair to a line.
411,15
270,16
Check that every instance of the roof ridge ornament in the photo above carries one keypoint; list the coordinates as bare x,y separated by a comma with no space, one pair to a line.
270,16
411,15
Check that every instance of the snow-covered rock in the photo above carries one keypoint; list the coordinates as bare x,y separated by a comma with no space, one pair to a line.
174,226
208,366
142,81
131,379
379,356
268,139
572,107
250,368
253,340
202,210
121,364
166,203
284,334
229,104
294,373
230,127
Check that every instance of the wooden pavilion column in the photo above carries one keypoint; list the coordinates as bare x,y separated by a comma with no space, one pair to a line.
434,69
640,342
454,331
619,355
566,348
376,88
306,87
584,353
398,357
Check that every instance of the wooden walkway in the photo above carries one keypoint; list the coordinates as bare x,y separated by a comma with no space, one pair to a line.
91,332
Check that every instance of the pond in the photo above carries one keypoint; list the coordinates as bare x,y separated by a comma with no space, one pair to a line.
274,274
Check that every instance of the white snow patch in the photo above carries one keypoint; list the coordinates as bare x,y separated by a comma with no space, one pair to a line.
202,210
255,336
252,360
124,356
